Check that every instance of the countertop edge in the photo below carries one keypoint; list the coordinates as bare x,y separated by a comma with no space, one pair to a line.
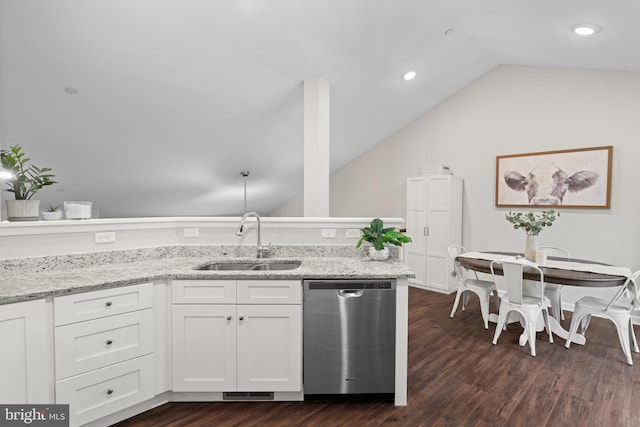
17,287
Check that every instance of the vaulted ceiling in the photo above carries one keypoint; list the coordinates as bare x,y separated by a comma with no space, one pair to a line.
154,107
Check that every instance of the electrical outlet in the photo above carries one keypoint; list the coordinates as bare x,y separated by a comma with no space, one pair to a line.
329,233
106,237
352,232
191,232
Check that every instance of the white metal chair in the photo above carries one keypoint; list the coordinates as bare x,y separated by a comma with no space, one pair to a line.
551,290
470,283
618,310
509,288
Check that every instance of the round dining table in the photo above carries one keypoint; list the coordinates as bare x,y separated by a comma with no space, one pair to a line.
558,276
552,275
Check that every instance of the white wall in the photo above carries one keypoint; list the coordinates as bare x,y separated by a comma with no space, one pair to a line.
514,110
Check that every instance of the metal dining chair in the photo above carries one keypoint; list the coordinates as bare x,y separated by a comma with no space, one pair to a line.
468,283
618,310
512,299
551,290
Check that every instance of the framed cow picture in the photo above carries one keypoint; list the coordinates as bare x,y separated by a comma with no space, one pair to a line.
578,178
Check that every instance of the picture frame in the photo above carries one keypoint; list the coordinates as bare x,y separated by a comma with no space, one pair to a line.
575,178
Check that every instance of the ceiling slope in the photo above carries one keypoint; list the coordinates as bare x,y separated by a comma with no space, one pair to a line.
176,97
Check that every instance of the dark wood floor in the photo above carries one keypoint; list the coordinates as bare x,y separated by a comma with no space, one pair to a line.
458,378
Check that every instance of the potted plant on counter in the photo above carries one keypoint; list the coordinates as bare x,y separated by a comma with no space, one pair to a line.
24,181
532,223
52,213
380,238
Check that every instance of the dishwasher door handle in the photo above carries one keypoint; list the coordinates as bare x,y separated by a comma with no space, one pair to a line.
350,293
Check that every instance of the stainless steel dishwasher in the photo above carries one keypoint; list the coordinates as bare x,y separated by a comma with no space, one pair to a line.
349,336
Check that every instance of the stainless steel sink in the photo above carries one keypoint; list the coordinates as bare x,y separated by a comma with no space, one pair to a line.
267,265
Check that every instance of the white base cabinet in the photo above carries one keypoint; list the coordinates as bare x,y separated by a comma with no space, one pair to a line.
269,347
25,354
104,391
117,353
104,350
204,347
248,340
434,222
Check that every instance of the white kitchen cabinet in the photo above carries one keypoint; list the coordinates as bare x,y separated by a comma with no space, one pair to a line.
269,343
84,346
98,304
434,221
104,350
25,354
204,347
107,390
203,292
253,346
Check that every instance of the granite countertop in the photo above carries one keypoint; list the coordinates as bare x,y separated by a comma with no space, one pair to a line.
51,276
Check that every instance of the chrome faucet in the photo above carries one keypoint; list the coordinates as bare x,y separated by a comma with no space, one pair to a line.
261,251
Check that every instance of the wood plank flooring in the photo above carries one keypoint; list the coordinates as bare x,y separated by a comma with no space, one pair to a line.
458,378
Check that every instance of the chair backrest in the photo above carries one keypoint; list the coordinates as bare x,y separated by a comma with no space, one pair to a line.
455,250
510,283
634,288
631,288
555,251
461,272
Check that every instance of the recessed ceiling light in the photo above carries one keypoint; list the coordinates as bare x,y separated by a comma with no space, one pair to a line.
585,29
410,75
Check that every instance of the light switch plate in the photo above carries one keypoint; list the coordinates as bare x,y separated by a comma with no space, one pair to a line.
191,232
106,237
352,232
328,233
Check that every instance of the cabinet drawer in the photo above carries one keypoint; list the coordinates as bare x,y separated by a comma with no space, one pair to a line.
107,302
84,346
269,292
203,291
102,392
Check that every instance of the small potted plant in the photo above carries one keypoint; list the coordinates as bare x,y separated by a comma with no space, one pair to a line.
532,223
52,213
380,238
24,180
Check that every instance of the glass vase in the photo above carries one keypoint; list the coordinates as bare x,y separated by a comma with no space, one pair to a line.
530,247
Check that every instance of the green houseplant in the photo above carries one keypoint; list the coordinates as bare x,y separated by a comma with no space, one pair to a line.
380,237
532,223
24,182
52,213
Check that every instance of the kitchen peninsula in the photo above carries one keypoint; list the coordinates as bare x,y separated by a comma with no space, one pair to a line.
150,287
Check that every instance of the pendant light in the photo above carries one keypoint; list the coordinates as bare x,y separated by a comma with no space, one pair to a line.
245,174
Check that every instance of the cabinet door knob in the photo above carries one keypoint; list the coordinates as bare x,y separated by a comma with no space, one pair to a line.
109,391
241,318
108,304
109,342
229,317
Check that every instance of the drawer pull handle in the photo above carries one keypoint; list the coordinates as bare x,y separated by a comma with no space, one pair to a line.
228,317
109,391
241,318
109,342
108,304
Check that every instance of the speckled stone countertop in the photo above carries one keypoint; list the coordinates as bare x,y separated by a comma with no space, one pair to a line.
32,278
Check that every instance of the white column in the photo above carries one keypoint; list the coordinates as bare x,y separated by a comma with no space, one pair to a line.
2,187
316,147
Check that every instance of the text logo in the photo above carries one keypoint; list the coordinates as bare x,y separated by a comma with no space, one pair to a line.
34,415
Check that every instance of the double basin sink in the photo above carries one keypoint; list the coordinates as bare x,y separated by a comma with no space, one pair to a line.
257,265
